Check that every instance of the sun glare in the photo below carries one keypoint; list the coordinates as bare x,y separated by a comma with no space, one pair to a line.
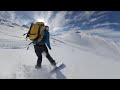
42,20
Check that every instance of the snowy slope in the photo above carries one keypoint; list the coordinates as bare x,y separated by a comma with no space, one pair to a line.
85,56
93,43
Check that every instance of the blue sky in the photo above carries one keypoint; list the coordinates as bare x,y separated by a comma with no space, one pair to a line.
68,19
98,22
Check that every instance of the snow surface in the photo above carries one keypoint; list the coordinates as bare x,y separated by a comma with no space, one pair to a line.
85,56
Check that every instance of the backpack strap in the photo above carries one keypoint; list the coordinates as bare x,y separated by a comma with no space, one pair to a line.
29,32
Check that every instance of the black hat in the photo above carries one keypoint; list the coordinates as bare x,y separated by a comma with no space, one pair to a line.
47,27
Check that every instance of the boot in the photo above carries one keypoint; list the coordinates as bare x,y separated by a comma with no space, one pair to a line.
53,64
37,67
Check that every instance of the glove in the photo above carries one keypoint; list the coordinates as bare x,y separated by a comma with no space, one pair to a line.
50,48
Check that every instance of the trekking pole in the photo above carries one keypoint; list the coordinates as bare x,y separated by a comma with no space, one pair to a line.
29,45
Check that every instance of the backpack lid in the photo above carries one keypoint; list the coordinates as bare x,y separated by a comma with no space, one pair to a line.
39,23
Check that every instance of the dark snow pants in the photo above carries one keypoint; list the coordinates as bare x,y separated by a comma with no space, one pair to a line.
39,49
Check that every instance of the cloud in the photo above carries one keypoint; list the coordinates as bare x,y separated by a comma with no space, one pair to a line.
83,15
86,17
59,21
97,18
94,17
105,24
88,14
102,13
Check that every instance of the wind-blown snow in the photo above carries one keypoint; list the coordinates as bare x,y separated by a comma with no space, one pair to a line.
84,55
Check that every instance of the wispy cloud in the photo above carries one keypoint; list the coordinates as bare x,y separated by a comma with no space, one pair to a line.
82,15
105,24
94,17
59,21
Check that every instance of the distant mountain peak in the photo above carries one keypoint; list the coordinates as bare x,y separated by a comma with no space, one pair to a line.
11,24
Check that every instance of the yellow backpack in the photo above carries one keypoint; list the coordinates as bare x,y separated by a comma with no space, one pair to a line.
36,31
